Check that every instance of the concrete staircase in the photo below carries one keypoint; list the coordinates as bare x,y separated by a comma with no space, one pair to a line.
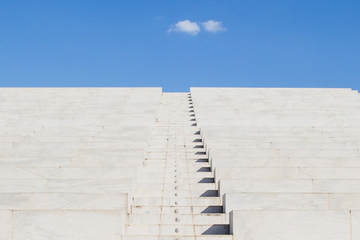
176,197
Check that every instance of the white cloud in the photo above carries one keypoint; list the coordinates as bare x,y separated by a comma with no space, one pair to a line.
213,26
185,26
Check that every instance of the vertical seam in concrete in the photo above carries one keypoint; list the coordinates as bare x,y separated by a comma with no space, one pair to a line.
328,201
160,226
350,225
12,224
312,184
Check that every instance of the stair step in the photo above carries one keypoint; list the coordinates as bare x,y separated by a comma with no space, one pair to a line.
175,137
172,159
154,148
175,142
180,237
180,180
174,145
166,147
182,154
185,219
171,209
185,230
176,201
176,197
171,193
164,164
175,186
176,169
178,175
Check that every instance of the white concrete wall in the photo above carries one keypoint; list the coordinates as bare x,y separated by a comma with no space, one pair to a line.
295,225
286,161
70,158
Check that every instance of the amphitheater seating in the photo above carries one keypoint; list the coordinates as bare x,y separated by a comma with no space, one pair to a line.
70,158
286,161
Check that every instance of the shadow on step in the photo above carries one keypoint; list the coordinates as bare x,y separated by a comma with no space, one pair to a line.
217,229
204,169
210,193
206,180
200,153
197,140
202,160
198,146
213,209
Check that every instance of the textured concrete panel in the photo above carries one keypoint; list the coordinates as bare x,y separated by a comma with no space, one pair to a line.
29,173
19,186
60,225
355,224
10,201
265,186
276,201
295,225
91,186
5,225
72,149
98,172
80,201
284,149
256,173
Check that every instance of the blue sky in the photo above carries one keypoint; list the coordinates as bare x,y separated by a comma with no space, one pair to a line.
132,43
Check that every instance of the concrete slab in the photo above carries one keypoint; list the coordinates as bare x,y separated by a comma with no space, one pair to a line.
281,225
77,225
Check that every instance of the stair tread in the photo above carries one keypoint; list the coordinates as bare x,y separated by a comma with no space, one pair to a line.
176,153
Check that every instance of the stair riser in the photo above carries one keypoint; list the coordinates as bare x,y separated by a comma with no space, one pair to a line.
191,164
176,189
172,219
170,186
187,230
192,193
180,180
176,169
171,210
176,201
204,237
179,175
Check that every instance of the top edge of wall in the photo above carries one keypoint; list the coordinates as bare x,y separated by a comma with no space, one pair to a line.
285,88
81,88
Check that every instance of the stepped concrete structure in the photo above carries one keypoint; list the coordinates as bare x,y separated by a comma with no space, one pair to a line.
215,163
